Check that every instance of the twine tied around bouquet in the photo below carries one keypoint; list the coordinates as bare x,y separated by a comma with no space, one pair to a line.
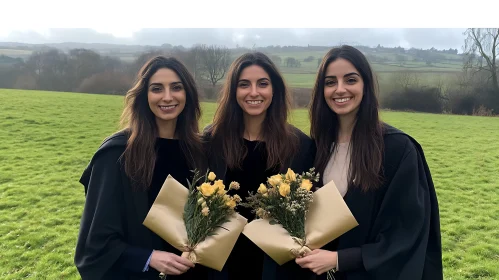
189,254
298,253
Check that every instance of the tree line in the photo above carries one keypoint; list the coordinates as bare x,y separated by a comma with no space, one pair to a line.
83,70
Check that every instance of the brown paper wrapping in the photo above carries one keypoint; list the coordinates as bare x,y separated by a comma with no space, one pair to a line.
165,218
328,218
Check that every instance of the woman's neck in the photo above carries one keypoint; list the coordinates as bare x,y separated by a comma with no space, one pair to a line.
253,127
166,129
347,124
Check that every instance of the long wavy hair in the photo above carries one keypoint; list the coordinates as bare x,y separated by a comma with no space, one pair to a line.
227,128
139,122
367,144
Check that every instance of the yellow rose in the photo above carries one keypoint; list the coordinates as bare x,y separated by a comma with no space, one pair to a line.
211,176
262,189
306,184
207,189
290,175
275,180
226,197
231,203
220,185
284,189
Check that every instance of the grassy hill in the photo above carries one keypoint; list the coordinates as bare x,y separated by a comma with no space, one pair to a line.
47,138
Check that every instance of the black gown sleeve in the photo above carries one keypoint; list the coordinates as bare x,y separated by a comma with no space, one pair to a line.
135,259
401,228
100,241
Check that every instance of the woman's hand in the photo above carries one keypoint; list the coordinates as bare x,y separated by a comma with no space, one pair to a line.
169,263
319,261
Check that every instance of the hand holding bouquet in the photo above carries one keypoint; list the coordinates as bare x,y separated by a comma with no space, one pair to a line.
199,220
293,219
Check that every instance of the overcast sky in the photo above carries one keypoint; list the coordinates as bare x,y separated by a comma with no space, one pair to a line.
440,38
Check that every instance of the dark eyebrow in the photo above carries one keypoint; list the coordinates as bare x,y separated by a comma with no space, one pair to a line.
259,80
160,84
346,75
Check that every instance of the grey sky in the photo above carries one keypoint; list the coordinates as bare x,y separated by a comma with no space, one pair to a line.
418,38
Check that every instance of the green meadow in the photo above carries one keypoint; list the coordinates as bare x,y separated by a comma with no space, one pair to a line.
47,138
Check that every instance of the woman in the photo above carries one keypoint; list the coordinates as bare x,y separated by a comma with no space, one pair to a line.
251,140
382,174
126,173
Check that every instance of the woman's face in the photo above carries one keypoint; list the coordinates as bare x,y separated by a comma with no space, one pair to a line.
254,91
343,87
166,95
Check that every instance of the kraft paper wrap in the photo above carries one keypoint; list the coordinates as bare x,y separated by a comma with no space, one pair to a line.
328,218
165,218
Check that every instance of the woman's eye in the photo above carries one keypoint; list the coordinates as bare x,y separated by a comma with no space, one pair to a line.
330,82
156,89
243,85
177,88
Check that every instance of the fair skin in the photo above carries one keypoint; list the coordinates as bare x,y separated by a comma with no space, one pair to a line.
343,92
254,96
169,264
166,96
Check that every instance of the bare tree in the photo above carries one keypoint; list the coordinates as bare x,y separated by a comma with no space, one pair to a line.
481,52
83,64
276,59
191,60
50,69
215,61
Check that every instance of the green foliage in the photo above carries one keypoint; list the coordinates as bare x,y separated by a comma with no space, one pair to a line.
208,207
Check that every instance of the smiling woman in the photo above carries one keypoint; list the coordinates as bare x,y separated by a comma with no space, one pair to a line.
382,174
160,138
166,98
344,87
254,92
251,140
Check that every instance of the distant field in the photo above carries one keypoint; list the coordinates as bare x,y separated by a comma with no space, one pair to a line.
47,138
304,75
384,78
14,52
24,54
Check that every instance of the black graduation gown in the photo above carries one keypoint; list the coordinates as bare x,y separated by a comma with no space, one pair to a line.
112,218
398,236
302,161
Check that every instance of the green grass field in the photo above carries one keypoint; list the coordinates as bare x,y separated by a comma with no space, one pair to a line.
47,138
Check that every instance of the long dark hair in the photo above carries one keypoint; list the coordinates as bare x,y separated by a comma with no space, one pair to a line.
139,121
367,144
228,125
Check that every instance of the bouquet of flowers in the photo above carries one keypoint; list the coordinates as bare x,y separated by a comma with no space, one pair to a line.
293,220
199,220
